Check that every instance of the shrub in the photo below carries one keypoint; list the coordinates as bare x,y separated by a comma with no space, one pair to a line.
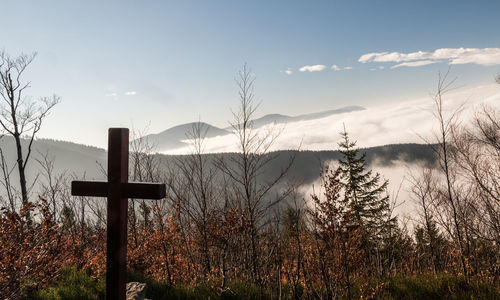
441,286
73,284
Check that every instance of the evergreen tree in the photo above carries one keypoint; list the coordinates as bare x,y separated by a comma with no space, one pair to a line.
338,239
366,193
431,246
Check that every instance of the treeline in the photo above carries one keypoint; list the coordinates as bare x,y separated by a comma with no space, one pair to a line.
220,225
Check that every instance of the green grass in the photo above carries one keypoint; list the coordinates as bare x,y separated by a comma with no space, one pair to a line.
206,290
74,284
441,286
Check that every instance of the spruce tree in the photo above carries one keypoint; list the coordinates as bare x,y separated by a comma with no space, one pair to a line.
367,194
365,190
431,245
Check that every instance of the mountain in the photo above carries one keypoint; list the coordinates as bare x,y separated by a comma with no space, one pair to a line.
327,113
173,137
283,119
270,119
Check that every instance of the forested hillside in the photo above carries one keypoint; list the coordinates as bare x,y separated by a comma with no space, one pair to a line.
79,161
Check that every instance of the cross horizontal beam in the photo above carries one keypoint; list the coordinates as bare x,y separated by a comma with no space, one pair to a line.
89,188
141,190
137,190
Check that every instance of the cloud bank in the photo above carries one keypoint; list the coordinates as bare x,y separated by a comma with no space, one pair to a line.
385,124
314,68
453,56
318,68
417,63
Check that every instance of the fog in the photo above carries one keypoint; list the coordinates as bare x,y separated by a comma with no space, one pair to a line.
394,123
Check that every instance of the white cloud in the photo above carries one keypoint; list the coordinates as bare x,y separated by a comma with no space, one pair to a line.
288,71
417,63
337,68
131,93
398,122
393,56
314,68
370,57
485,57
480,56
111,95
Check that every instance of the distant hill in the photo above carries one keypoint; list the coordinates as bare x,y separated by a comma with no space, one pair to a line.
172,138
282,119
326,113
81,161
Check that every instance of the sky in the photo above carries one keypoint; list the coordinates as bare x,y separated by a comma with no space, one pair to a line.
163,63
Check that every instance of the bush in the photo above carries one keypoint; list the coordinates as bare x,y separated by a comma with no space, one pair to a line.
206,290
73,284
441,286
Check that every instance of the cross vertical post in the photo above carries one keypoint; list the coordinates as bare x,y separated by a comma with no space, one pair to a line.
116,264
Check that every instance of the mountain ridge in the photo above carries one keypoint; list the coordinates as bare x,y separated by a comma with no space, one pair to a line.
175,136
283,119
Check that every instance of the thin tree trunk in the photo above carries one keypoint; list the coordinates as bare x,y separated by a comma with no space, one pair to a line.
20,166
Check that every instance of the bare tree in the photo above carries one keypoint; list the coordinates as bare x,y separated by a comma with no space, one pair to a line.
144,166
423,193
6,182
53,186
194,189
478,157
203,190
20,115
245,168
452,199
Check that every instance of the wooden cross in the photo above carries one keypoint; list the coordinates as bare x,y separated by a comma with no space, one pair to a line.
117,189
